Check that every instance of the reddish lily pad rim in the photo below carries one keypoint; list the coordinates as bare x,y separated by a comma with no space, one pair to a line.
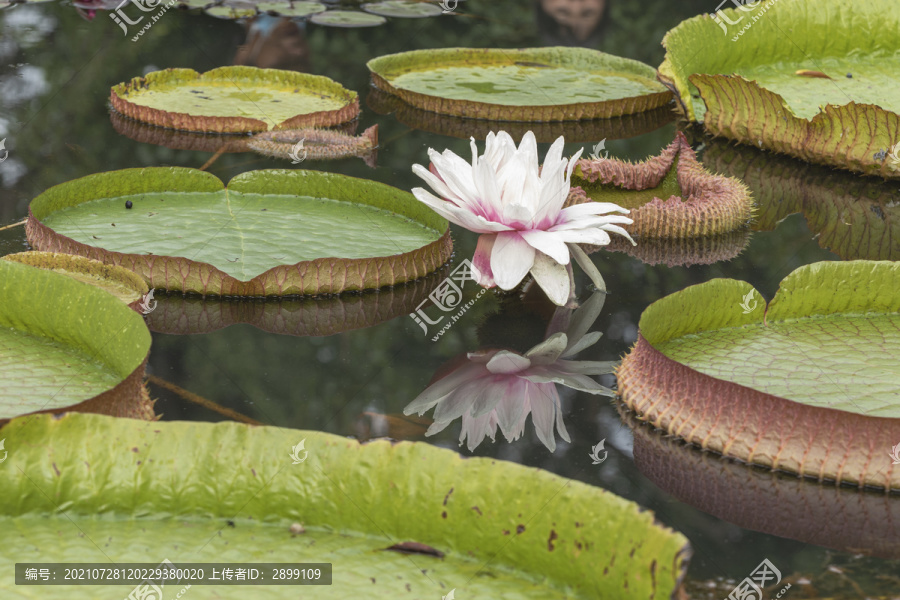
249,75
384,68
747,424
322,276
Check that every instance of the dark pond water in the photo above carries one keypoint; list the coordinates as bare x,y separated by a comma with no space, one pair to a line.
56,69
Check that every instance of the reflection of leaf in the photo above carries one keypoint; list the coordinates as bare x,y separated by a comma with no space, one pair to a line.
820,360
165,485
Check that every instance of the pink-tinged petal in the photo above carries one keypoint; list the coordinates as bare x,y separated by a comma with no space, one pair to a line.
544,398
458,403
456,173
548,375
481,356
461,216
437,184
601,222
593,237
506,362
553,278
512,409
476,430
518,216
548,243
560,426
444,387
490,391
481,262
511,259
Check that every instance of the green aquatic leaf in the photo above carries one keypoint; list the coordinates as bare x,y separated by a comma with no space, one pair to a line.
269,233
540,84
234,99
745,81
347,18
133,491
65,344
808,384
410,9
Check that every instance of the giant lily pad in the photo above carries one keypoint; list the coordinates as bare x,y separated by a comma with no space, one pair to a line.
798,81
118,281
234,99
808,384
541,84
347,18
67,345
670,195
857,521
409,9
854,217
165,490
185,315
626,126
270,233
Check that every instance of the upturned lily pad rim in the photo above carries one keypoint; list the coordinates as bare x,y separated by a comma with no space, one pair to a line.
299,279
750,425
406,491
384,68
73,263
702,66
234,124
114,334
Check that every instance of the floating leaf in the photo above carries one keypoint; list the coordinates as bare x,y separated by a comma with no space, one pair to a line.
808,385
169,490
749,91
347,18
540,84
410,9
316,144
682,252
234,99
270,233
68,346
670,195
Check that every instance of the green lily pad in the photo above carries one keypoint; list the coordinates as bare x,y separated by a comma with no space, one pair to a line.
669,196
234,100
270,233
347,18
782,504
795,81
286,8
852,216
170,493
121,283
188,315
242,11
67,345
540,84
808,384
409,9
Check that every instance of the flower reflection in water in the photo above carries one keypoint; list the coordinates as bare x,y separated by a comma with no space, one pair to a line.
496,387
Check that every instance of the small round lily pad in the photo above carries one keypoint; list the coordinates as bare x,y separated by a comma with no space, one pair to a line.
269,233
408,9
538,84
347,18
235,99
242,11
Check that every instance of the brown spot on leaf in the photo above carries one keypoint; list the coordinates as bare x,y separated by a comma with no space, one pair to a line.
408,588
444,515
553,536
520,528
506,532
478,510
55,469
416,548
135,449
447,497
252,470
373,579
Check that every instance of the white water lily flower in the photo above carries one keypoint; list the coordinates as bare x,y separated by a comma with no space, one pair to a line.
517,207
500,388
